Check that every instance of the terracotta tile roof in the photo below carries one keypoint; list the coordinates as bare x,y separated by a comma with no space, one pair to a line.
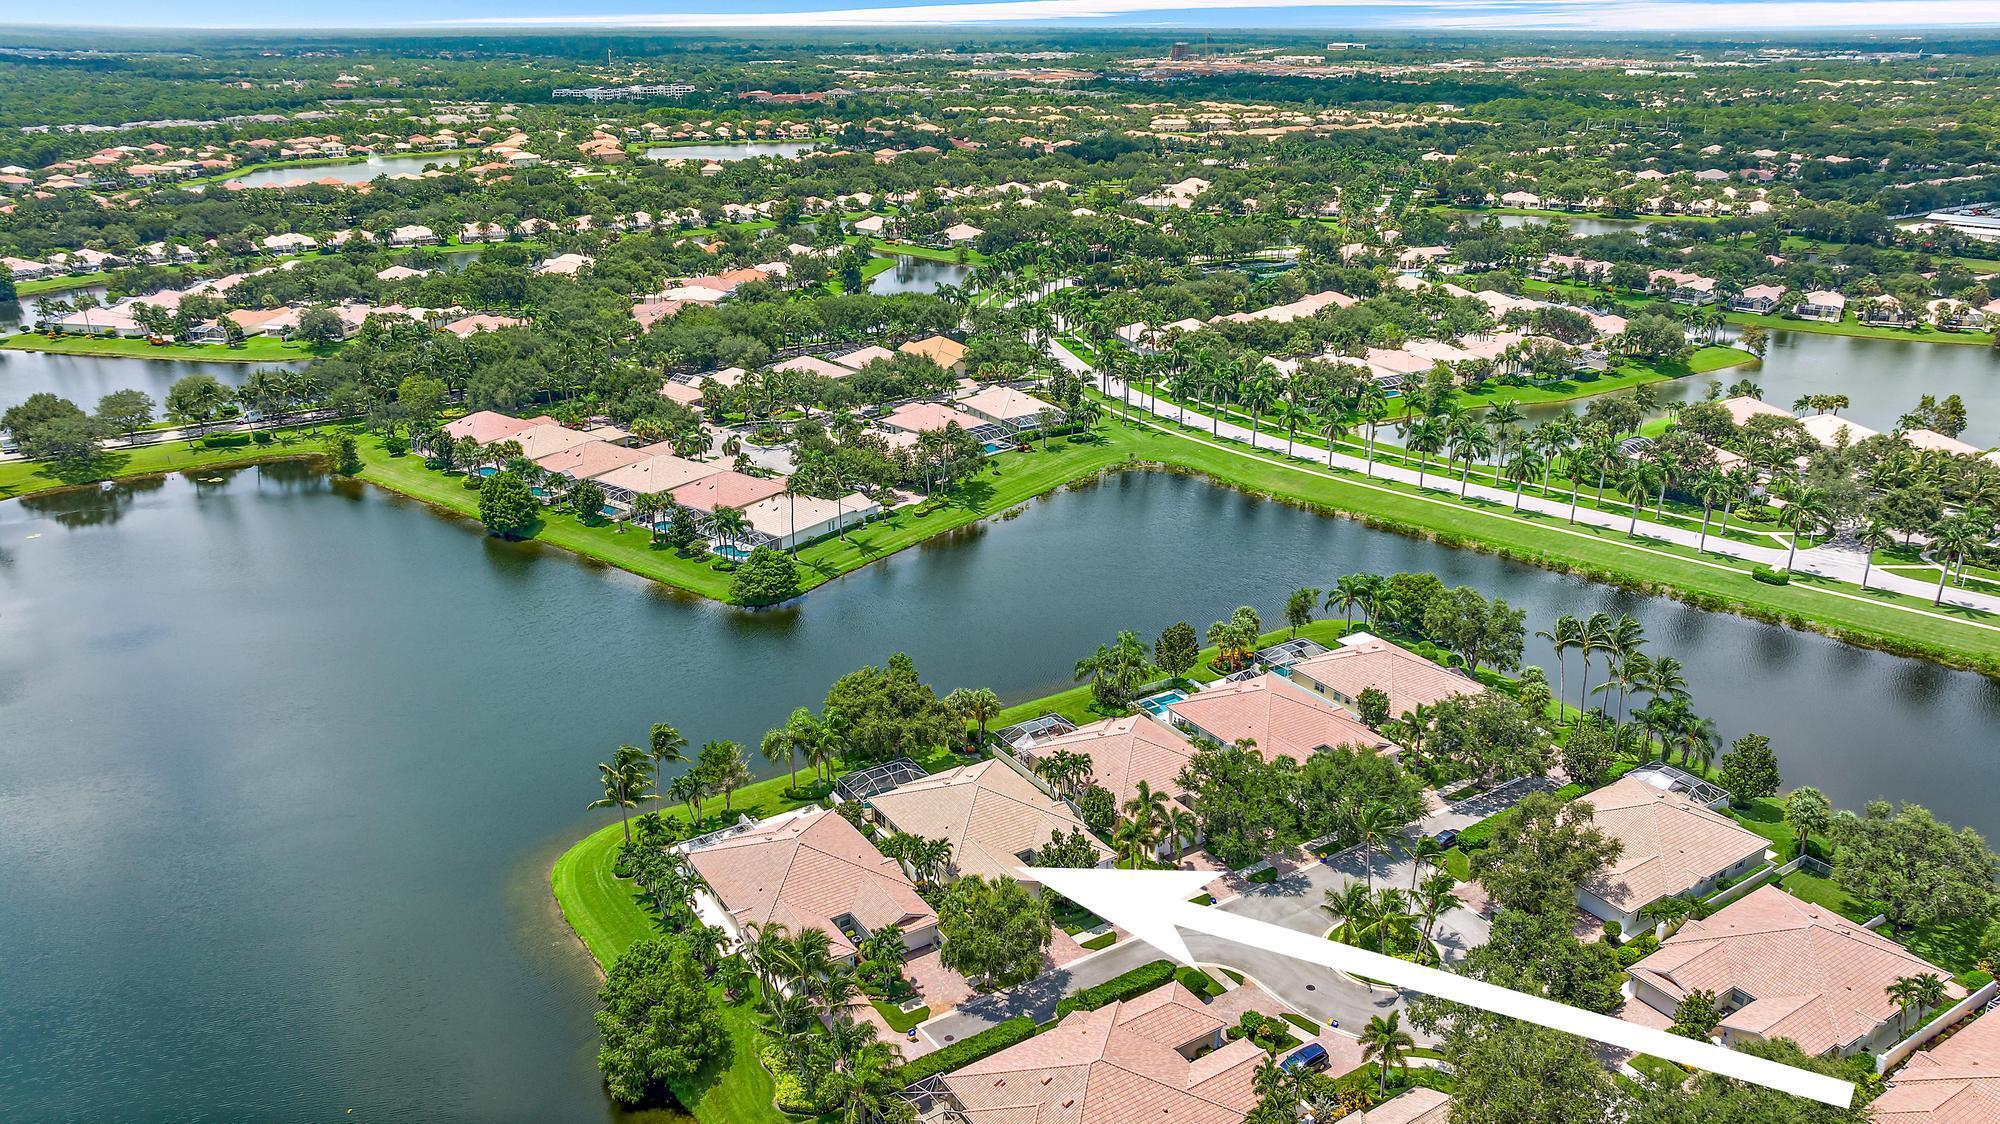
1417,1106
1120,1064
1363,661
942,350
1003,403
1672,844
591,459
1812,975
1955,1083
485,427
727,488
921,417
538,441
988,812
1743,407
1285,720
805,870
658,472
1125,751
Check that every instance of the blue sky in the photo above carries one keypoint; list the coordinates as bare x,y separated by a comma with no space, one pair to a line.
749,15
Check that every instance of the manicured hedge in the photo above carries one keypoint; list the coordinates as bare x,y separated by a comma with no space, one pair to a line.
989,1041
1199,982
1138,981
1769,576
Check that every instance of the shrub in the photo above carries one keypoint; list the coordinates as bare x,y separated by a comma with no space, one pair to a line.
788,1092
1757,513
1769,576
262,437
226,441
1020,1028
1138,981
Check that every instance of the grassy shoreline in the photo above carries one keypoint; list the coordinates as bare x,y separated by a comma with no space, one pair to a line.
257,349
1634,302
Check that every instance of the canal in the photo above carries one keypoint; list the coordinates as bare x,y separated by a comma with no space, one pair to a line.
287,759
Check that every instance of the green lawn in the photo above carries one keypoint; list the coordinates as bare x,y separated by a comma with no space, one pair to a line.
257,349
898,1019
1703,361
25,478
1639,302
59,284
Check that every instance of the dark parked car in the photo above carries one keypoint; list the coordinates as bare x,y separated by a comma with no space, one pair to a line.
1446,838
1312,1055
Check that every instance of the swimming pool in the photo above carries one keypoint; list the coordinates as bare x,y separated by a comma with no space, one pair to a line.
1154,704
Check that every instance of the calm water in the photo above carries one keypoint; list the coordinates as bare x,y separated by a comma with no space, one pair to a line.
1882,378
21,312
83,379
742,150
357,171
918,275
1578,225
287,760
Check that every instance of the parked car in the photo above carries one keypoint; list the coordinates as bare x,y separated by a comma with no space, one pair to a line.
1446,839
1311,1056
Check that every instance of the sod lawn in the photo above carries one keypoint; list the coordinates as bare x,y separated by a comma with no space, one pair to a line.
257,349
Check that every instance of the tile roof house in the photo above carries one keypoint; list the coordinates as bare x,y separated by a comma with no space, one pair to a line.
1363,661
1827,429
1954,1083
488,426
811,870
1284,720
922,417
993,817
589,459
942,350
1123,752
1784,968
655,472
727,488
1672,846
1743,407
862,356
792,520
813,365
547,439
1421,1105
1138,1060
1007,406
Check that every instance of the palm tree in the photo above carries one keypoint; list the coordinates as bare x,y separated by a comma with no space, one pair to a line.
1353,911
1372,408
1132,839
1951,543
868,1087
1470,439
1505,418
1182,828
1710,487
728,523
1424,437
1433,898
1566,634
666,747
1373,823
1636,483
976,705
1525,465
625,778
1805,511
1348,591
1386,1043
1596,638
1874,535
1422,851
733,772
1335,429
1147,806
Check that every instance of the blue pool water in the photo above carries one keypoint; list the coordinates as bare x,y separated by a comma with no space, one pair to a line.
1154,704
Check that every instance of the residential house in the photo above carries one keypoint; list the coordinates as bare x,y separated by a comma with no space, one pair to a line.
1122,752
1743,407
812,365
1364,661
1281,718
874,226
1421,1105
481,322
1526,200
1681,286
1006,406
1885,311
1821,304
1762,300
488,426
808,869
289,243
942,350
1933,441
1955,1082
413,235
564,265
1784,968
961,234
1673,847
994,818
727,488
787,521
399,273
547,439
588,459
657,471
923,417
862,356
1830,431
1162,1056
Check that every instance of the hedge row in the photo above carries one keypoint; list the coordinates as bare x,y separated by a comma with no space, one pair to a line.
1138,981
962,1053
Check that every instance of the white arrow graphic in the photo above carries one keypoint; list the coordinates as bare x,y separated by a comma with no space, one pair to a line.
1152,905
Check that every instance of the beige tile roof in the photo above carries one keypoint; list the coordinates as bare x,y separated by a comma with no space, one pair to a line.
1743,407
546,439
1363,661
590,459
1417,1106
1002,403
1955,1083
988,812
1812,975
1285,720
921,417
804,870
659,472
485,427
813,365
1119,1064
1125,751
1672,844
727,488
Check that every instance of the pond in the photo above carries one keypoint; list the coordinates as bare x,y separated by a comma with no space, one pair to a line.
1582,226
353,171
739,150
1883,379
919,275
288,759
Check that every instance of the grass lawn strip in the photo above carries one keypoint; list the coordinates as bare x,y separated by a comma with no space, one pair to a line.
257,349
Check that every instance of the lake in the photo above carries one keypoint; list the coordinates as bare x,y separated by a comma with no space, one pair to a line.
739,150
1882,378
918,275
288,758
353,171
83,379
1580,225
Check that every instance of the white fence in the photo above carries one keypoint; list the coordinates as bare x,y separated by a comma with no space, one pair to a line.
1894,1055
